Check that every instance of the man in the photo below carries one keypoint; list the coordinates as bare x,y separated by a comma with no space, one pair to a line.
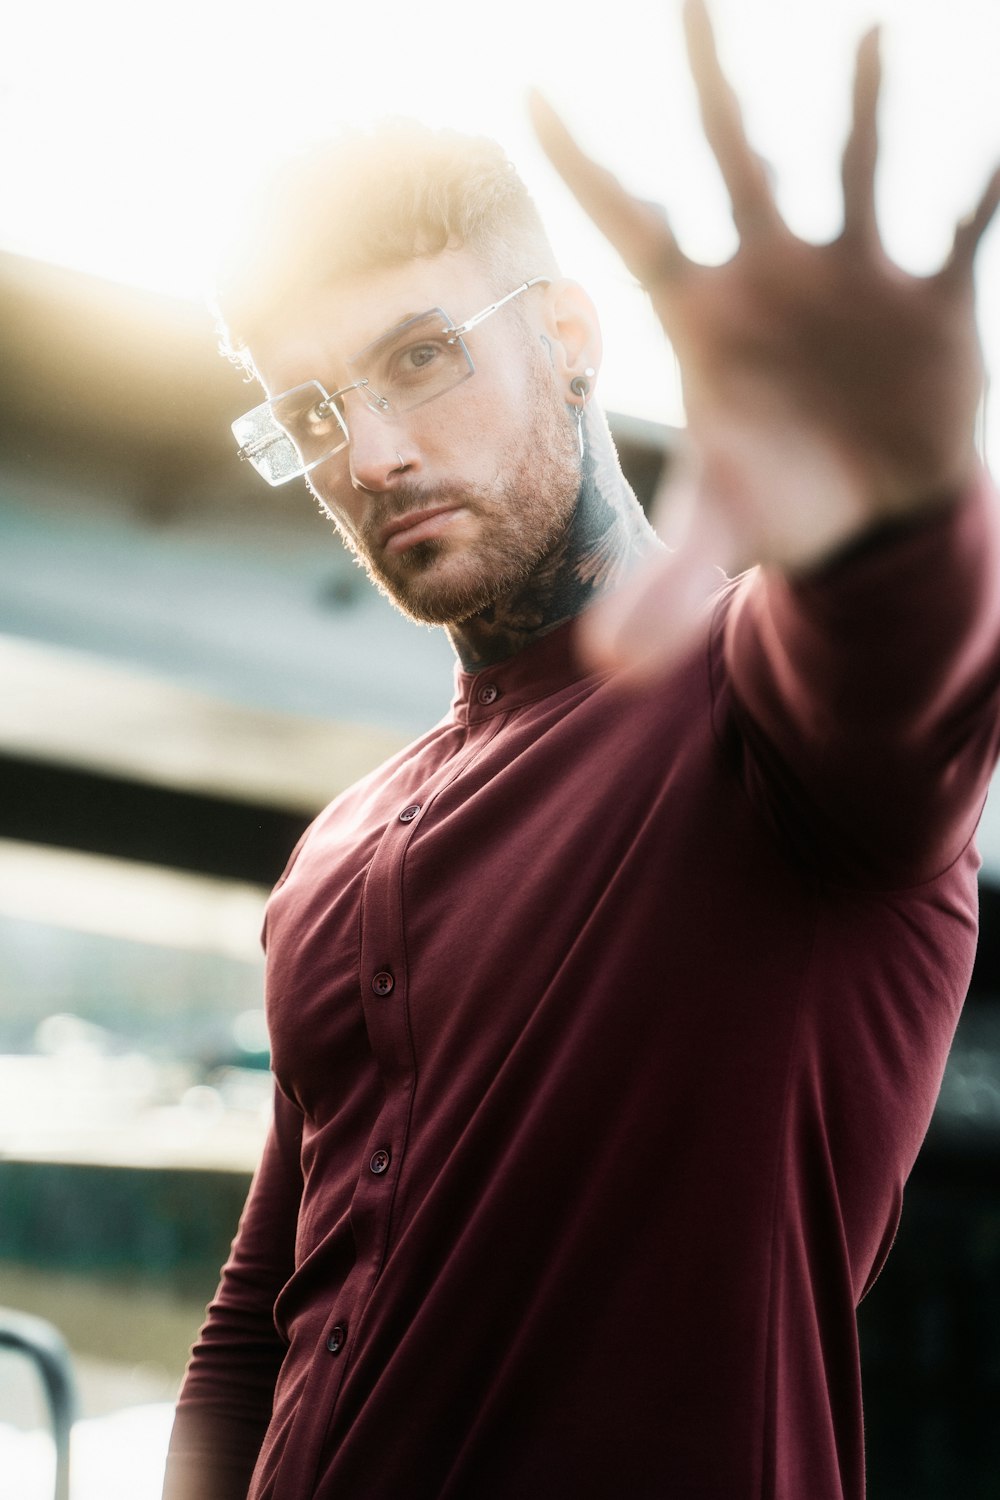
607,1021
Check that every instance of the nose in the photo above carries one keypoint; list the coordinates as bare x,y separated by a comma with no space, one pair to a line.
379,453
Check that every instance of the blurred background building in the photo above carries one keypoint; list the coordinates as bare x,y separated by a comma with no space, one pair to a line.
191,666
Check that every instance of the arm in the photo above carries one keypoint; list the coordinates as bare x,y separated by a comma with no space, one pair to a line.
225,1401
865,695
831,402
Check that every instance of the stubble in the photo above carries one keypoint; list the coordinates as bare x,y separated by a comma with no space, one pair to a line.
520,517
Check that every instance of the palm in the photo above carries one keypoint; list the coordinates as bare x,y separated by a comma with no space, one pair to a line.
826,390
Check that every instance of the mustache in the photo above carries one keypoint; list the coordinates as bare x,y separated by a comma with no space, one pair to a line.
409,497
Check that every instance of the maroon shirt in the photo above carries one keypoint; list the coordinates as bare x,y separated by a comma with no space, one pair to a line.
606,1030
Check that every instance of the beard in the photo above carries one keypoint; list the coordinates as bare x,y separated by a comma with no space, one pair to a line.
520,517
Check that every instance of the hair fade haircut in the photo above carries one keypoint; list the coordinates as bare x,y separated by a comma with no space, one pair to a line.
370,199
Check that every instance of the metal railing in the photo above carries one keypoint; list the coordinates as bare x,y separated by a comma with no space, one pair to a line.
40,1342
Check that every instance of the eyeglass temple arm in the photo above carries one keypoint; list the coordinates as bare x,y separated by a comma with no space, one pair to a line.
487,312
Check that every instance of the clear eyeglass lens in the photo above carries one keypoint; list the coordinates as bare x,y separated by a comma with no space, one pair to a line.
411,364
292,433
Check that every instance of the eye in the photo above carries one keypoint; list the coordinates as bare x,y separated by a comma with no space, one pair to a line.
412,364
419,355
322,415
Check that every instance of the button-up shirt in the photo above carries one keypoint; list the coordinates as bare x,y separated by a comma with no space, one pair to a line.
606,1027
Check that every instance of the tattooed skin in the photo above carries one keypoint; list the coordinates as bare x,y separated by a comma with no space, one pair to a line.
533,534
606,536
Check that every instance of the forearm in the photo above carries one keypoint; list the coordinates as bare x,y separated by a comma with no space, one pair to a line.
228,1391
874,682
225,1401
211,1456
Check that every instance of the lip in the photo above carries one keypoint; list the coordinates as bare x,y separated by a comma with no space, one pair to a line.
416,526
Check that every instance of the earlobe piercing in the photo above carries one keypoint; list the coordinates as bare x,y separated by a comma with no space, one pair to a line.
581,385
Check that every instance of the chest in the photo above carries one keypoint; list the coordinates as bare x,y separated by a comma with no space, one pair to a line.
595,856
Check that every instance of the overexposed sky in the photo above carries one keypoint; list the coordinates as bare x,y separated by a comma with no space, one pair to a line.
130,129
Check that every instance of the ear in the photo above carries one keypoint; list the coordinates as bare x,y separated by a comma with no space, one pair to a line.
573,331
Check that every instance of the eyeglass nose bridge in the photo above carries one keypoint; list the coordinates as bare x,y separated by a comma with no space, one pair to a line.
372,399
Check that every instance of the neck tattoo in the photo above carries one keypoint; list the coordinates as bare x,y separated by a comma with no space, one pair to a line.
607,535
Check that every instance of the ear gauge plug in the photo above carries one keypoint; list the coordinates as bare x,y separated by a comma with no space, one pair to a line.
580,387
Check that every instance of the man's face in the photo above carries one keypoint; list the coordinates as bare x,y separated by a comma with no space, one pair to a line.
452,505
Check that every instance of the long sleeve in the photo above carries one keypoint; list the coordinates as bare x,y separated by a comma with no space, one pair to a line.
225,1401
867,695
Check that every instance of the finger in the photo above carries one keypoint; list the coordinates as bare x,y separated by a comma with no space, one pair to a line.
971,230
861,151
638,230
743,171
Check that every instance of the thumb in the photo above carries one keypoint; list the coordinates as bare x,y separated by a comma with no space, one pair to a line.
646,626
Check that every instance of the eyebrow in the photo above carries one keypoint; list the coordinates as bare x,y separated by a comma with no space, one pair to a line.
329,363
412,317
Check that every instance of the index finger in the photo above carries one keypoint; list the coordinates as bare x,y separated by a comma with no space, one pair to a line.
638,229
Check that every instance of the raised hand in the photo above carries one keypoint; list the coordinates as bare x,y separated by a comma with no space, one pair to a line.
826,389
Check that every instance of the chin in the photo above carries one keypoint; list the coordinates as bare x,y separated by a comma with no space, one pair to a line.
441,587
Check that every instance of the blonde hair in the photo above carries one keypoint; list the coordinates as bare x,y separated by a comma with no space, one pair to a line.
370,199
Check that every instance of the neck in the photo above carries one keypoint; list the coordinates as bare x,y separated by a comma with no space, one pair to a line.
606,536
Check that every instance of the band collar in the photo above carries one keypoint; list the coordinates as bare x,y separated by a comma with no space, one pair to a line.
534,672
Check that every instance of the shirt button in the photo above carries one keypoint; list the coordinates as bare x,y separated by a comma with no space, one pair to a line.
383,982
380,1162
488,693
335,1341
409,813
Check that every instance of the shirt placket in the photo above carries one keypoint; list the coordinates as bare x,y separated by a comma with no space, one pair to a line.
384,984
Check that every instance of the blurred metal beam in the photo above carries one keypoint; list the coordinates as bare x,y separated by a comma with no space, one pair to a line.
62,806
70,708
103,379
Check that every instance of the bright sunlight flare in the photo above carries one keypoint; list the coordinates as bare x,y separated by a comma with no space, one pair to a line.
132,130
